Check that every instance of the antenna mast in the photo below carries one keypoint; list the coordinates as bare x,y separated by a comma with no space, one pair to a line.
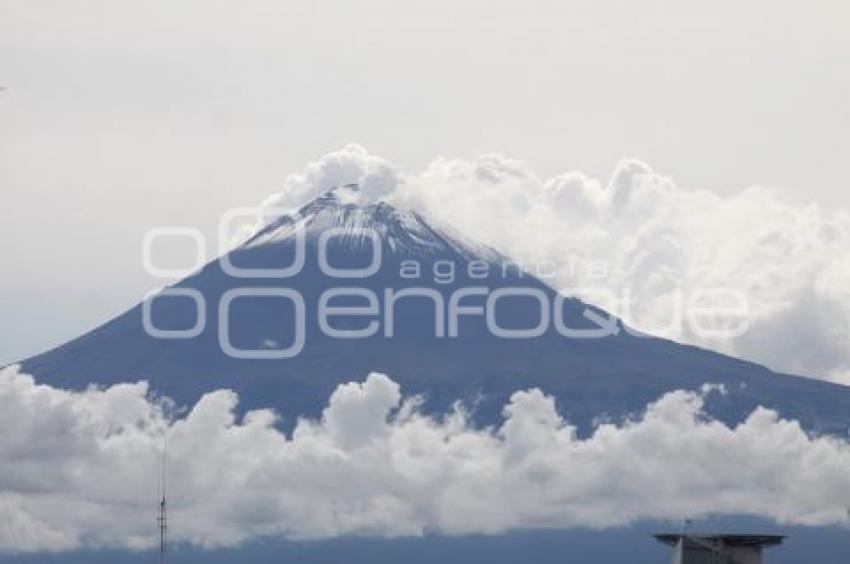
162,516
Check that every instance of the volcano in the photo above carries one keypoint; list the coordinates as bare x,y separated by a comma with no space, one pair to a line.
253,347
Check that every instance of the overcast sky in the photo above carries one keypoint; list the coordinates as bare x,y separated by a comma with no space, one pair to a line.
118,116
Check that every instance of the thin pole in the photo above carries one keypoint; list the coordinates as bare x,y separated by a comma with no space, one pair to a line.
162,515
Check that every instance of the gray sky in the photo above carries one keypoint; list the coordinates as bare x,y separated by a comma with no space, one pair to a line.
118,116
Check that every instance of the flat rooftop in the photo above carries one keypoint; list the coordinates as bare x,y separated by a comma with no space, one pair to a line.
728,540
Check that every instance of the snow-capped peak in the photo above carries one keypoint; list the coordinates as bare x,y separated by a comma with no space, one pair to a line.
403,231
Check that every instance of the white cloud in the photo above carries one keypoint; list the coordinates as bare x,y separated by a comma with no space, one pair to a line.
78,469
376,177
656,239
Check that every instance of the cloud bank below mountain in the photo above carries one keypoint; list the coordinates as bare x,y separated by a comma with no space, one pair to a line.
639,245
77,469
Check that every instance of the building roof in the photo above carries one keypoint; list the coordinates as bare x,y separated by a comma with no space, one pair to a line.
728,540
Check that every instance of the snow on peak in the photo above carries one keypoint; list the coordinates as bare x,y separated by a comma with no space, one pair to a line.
348,210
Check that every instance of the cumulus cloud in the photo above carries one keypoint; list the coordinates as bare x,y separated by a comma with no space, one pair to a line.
376,177
78,468
646,247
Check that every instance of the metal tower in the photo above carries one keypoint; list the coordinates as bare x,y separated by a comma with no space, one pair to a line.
162,514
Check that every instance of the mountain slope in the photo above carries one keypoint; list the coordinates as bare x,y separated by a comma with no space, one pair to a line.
611,376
